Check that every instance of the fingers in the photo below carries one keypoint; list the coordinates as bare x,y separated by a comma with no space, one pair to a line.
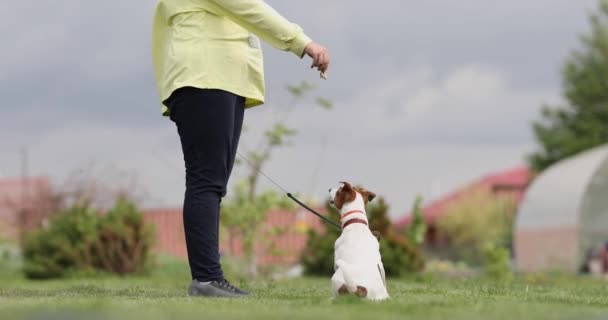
315,60
323,62
322,68
320,57
320,61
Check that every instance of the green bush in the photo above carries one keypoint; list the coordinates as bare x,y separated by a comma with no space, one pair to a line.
478,218
123,240
318,257
497,264
82,241
398,255
416,231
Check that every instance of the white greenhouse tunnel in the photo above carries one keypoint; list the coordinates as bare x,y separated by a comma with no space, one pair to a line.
564,214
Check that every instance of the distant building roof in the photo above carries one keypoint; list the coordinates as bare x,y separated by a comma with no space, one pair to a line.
513,180
18,194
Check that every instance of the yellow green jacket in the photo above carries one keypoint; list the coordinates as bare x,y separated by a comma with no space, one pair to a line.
212,44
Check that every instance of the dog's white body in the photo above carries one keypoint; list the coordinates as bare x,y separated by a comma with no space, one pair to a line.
357,255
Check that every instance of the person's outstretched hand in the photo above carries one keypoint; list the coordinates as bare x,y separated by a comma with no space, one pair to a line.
320,57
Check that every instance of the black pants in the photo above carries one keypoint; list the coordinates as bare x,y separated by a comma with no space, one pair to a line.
209,124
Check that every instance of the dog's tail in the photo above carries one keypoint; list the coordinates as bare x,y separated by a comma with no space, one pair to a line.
348,277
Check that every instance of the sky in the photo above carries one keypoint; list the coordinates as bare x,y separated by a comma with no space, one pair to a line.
427,96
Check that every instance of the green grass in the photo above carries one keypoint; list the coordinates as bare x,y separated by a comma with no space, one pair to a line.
162,296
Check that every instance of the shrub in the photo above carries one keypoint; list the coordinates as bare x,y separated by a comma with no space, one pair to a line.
80,240
416,231
123,240
478,218
497,264
64,247
318,257
399,256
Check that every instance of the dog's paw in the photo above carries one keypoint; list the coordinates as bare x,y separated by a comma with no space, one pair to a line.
361,292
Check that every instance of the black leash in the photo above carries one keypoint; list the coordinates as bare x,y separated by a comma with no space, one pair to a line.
290,196
313,211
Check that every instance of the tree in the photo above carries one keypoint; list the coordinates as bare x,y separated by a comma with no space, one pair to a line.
243,215
583,123
246,210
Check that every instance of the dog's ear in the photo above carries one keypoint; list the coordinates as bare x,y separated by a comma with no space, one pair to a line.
370,196
346,186
366,194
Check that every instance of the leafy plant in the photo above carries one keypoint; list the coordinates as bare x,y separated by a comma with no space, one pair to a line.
81,241
417,228
244,214
497,264
478,218
123,240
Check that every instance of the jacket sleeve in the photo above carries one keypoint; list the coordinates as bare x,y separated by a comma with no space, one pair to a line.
262,20
160,29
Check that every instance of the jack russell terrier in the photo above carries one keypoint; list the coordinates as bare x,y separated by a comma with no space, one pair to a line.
358,265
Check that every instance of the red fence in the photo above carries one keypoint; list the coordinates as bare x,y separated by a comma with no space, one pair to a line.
281,239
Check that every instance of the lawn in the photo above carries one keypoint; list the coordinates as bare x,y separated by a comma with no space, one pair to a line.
163,297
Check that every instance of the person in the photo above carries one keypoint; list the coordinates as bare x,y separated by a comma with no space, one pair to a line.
208,66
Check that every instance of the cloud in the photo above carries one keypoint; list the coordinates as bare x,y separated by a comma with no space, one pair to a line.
112,156
425,93
413,132
416,132
470,104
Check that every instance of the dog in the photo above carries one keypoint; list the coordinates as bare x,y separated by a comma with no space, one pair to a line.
358,267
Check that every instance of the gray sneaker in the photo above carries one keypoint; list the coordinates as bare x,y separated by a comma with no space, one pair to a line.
217,288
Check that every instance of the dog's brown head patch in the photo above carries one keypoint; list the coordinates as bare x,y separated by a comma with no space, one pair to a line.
345,194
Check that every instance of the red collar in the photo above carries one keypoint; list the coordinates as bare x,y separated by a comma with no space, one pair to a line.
353,220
